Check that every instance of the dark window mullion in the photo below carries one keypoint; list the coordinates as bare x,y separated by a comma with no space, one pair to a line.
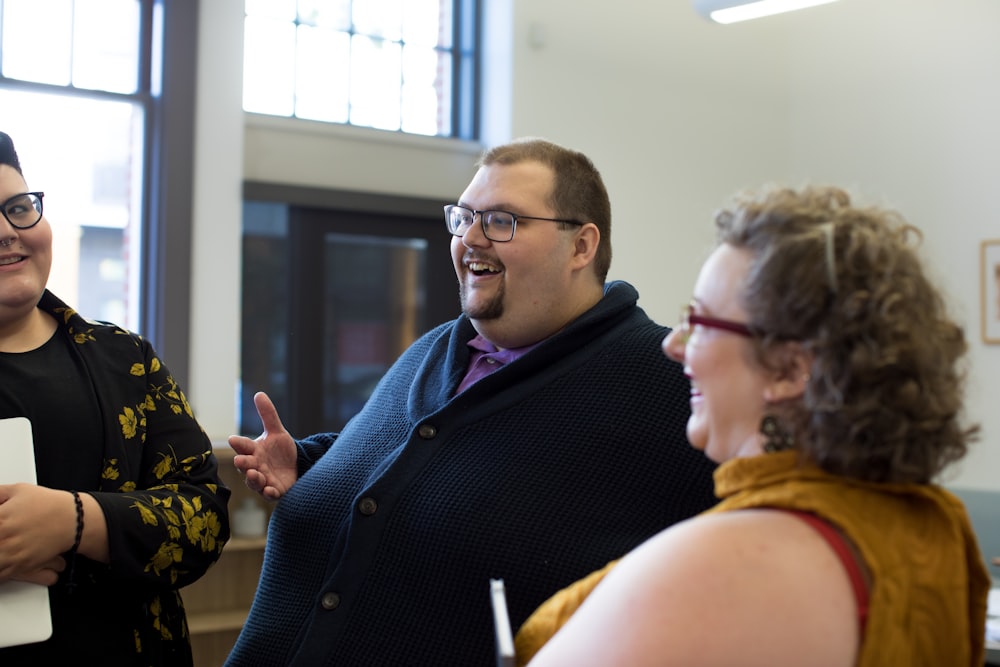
465,69
72,43
144,77
456,67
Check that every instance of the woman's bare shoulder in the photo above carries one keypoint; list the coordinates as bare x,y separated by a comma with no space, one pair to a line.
746,587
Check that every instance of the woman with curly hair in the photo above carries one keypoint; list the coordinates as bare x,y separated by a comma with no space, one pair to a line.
826,379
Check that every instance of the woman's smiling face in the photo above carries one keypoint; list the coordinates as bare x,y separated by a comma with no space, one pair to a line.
727,384
25,254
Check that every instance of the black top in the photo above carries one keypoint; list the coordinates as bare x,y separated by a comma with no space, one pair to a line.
109,419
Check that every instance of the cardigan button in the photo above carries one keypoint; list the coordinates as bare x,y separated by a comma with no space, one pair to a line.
367,506
330,601
426,431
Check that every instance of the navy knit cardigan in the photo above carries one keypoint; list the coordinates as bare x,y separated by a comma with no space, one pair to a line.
382,552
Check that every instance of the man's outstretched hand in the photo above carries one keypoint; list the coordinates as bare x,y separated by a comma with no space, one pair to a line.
268,463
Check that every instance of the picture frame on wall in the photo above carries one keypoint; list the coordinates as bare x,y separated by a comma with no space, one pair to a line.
990,290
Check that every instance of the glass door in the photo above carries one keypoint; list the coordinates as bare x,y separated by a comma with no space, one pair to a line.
331,299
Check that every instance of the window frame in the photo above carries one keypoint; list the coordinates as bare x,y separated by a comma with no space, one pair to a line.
167,98
302,412
169,181
466,75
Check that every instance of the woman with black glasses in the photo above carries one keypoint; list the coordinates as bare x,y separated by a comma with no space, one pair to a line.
128,506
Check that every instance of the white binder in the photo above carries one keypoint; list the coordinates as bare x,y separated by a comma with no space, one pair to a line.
24,608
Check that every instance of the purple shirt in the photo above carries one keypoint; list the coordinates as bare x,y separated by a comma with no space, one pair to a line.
485,359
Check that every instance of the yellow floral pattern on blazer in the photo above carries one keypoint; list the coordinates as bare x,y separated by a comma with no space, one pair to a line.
159,489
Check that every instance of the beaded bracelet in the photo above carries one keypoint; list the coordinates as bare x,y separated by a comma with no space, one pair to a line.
71,557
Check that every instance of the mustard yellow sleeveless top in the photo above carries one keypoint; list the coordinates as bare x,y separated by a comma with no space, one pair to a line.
927,603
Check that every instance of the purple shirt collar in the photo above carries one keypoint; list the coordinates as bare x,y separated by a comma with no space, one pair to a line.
486,358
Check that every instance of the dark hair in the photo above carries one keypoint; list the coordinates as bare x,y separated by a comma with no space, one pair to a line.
578,192
7,153
885,393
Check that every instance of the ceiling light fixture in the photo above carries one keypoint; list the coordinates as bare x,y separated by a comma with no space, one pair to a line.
731,11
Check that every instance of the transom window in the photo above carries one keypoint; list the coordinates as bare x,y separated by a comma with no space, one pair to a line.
402,65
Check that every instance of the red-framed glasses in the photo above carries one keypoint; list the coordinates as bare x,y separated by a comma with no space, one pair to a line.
689,319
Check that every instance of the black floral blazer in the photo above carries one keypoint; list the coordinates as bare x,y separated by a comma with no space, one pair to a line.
165,506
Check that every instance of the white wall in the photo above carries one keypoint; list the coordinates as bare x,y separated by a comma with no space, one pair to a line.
671,112
217,211
895,99
903,104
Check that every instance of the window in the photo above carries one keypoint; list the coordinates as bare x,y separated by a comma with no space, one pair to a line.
401,65
75,102
98,96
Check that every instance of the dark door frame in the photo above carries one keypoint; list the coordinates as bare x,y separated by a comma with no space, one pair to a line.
313,213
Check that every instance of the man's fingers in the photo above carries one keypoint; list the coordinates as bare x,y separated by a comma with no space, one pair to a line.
268,414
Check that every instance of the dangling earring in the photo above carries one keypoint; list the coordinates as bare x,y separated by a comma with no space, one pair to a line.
775,439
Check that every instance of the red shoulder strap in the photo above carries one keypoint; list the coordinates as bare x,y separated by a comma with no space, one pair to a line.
838,542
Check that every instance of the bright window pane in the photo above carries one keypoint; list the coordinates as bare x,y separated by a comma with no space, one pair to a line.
283,10
426,91
37,40
379,18
323,75
92,195
106,45
386,64
427,23
268,66
334,14
375,83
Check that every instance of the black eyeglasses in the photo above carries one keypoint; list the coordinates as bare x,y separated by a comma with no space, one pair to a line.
690,319
498,226
23,211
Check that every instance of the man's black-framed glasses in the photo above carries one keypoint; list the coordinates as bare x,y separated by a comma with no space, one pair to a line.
689,319
498,226
23,211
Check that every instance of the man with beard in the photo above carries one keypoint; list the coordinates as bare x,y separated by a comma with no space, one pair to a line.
533,439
